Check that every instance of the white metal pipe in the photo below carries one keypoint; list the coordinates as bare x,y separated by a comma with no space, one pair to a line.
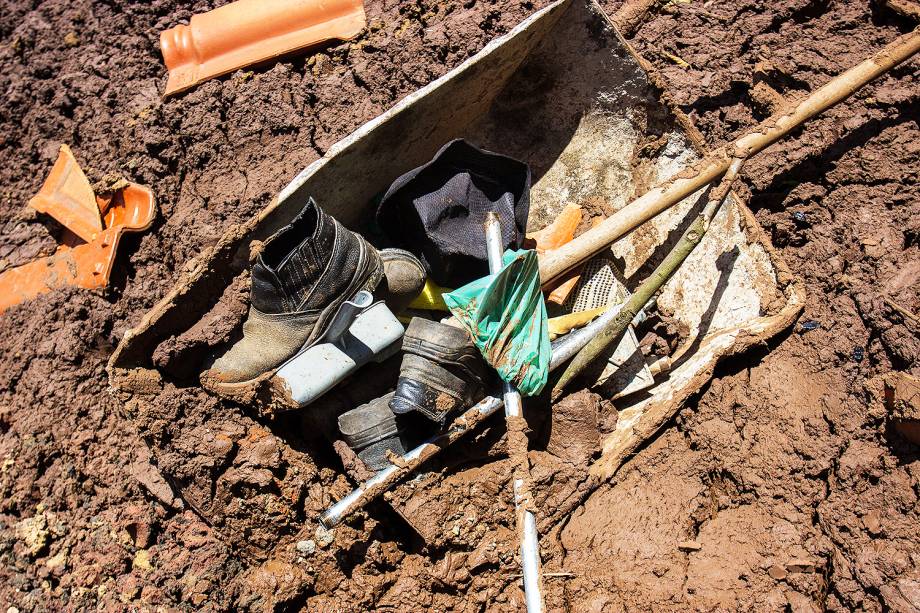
530,545
387,477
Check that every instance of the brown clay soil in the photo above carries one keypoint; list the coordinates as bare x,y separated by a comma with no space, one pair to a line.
781,486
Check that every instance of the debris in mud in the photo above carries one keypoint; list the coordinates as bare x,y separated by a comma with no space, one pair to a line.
574,432
811,324
152,480
34,533
689,546
732,428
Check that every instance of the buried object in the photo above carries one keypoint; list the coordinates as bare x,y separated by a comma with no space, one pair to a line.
302,277
372,430
441,371
94,227
579,93
361,331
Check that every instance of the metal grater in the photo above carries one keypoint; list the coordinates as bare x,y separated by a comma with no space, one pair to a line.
599,285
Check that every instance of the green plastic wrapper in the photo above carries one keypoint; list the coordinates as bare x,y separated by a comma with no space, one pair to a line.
506,316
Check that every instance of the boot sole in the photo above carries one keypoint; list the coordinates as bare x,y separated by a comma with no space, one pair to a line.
248,391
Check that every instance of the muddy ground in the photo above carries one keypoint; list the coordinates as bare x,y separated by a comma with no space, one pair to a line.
781,486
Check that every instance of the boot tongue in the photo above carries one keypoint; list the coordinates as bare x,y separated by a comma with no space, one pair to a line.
292,261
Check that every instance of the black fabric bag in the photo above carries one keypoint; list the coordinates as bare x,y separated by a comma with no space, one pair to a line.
437,211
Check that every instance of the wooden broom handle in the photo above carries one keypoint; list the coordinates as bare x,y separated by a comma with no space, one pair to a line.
670,192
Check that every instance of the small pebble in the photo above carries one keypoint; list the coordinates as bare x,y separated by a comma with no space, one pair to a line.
306,547
858,354
810,325
324,537
800,217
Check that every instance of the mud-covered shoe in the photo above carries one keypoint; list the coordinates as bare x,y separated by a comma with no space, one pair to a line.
301,276
441,372
403,279
371,430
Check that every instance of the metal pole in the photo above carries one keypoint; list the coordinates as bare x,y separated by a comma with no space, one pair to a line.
564,348
387,477
527,524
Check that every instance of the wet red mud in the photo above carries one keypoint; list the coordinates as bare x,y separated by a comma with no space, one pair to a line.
784,485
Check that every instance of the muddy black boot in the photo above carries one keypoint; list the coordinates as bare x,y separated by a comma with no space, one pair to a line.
371,430
442,372
301,276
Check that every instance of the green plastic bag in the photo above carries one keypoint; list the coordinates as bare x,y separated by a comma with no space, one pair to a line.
506,316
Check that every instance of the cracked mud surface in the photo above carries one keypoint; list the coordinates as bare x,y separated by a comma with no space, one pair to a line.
781,486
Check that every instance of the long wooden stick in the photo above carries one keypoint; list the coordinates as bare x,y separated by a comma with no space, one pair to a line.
714,165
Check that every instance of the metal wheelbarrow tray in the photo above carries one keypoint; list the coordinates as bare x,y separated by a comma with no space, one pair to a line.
562,91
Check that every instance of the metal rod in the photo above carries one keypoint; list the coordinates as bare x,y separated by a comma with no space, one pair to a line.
564,348
387,477
527,524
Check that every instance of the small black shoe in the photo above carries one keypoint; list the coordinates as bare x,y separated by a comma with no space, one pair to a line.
371,430
442,371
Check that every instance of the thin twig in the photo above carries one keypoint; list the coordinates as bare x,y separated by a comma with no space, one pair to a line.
897,307
674,58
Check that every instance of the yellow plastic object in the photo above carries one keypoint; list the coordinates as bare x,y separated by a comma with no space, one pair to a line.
67,196
565,323
431,297
246,32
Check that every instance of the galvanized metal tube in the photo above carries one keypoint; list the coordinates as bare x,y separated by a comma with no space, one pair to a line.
387,477
530,561
527,524
564,348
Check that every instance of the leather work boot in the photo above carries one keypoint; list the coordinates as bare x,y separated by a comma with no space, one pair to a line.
441,372
371,430
301,276
404,278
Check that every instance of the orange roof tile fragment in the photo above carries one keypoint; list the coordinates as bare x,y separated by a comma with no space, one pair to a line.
67,196
555,235
560,231
78,262
250,31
